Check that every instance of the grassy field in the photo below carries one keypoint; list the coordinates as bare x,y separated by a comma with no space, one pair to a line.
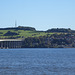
23,33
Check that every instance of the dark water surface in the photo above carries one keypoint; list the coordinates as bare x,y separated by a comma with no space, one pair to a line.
37,61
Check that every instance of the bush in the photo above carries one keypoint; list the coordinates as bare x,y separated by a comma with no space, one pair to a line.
10,33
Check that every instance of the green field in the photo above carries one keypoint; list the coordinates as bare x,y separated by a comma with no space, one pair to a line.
24,33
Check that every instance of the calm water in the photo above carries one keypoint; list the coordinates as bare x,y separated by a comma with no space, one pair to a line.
42,61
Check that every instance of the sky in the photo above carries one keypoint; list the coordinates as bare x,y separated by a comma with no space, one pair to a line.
40,14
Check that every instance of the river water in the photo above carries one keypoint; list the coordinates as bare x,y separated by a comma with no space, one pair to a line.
37,61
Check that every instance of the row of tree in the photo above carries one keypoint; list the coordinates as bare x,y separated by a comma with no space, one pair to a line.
19,28
53,41
61,30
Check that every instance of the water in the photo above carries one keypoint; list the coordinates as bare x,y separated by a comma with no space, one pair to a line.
37,61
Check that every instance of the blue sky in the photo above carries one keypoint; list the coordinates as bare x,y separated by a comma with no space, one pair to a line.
41,14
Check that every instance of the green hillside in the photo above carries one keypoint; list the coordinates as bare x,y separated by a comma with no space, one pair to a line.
24,32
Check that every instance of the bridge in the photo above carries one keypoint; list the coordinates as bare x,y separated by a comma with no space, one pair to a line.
10,43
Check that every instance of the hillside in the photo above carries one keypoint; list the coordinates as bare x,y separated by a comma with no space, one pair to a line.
24,32
20,32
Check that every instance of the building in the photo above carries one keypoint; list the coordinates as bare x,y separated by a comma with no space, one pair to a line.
10,43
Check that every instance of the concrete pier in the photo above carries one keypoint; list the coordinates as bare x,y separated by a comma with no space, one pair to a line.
10,43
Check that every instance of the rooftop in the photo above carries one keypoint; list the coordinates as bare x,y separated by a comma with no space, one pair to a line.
11,39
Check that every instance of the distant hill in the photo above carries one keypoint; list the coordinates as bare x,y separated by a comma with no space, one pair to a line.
19,28
52,38
61,30
25,32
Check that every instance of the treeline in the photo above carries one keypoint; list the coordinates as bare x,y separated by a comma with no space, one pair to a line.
19,28
35,42
61,30
53,41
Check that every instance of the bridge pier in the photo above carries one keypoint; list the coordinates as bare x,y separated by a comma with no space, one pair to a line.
10,43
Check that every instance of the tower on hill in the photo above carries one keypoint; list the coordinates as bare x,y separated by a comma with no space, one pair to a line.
15,23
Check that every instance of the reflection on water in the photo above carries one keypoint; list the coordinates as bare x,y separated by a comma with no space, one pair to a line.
37,61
